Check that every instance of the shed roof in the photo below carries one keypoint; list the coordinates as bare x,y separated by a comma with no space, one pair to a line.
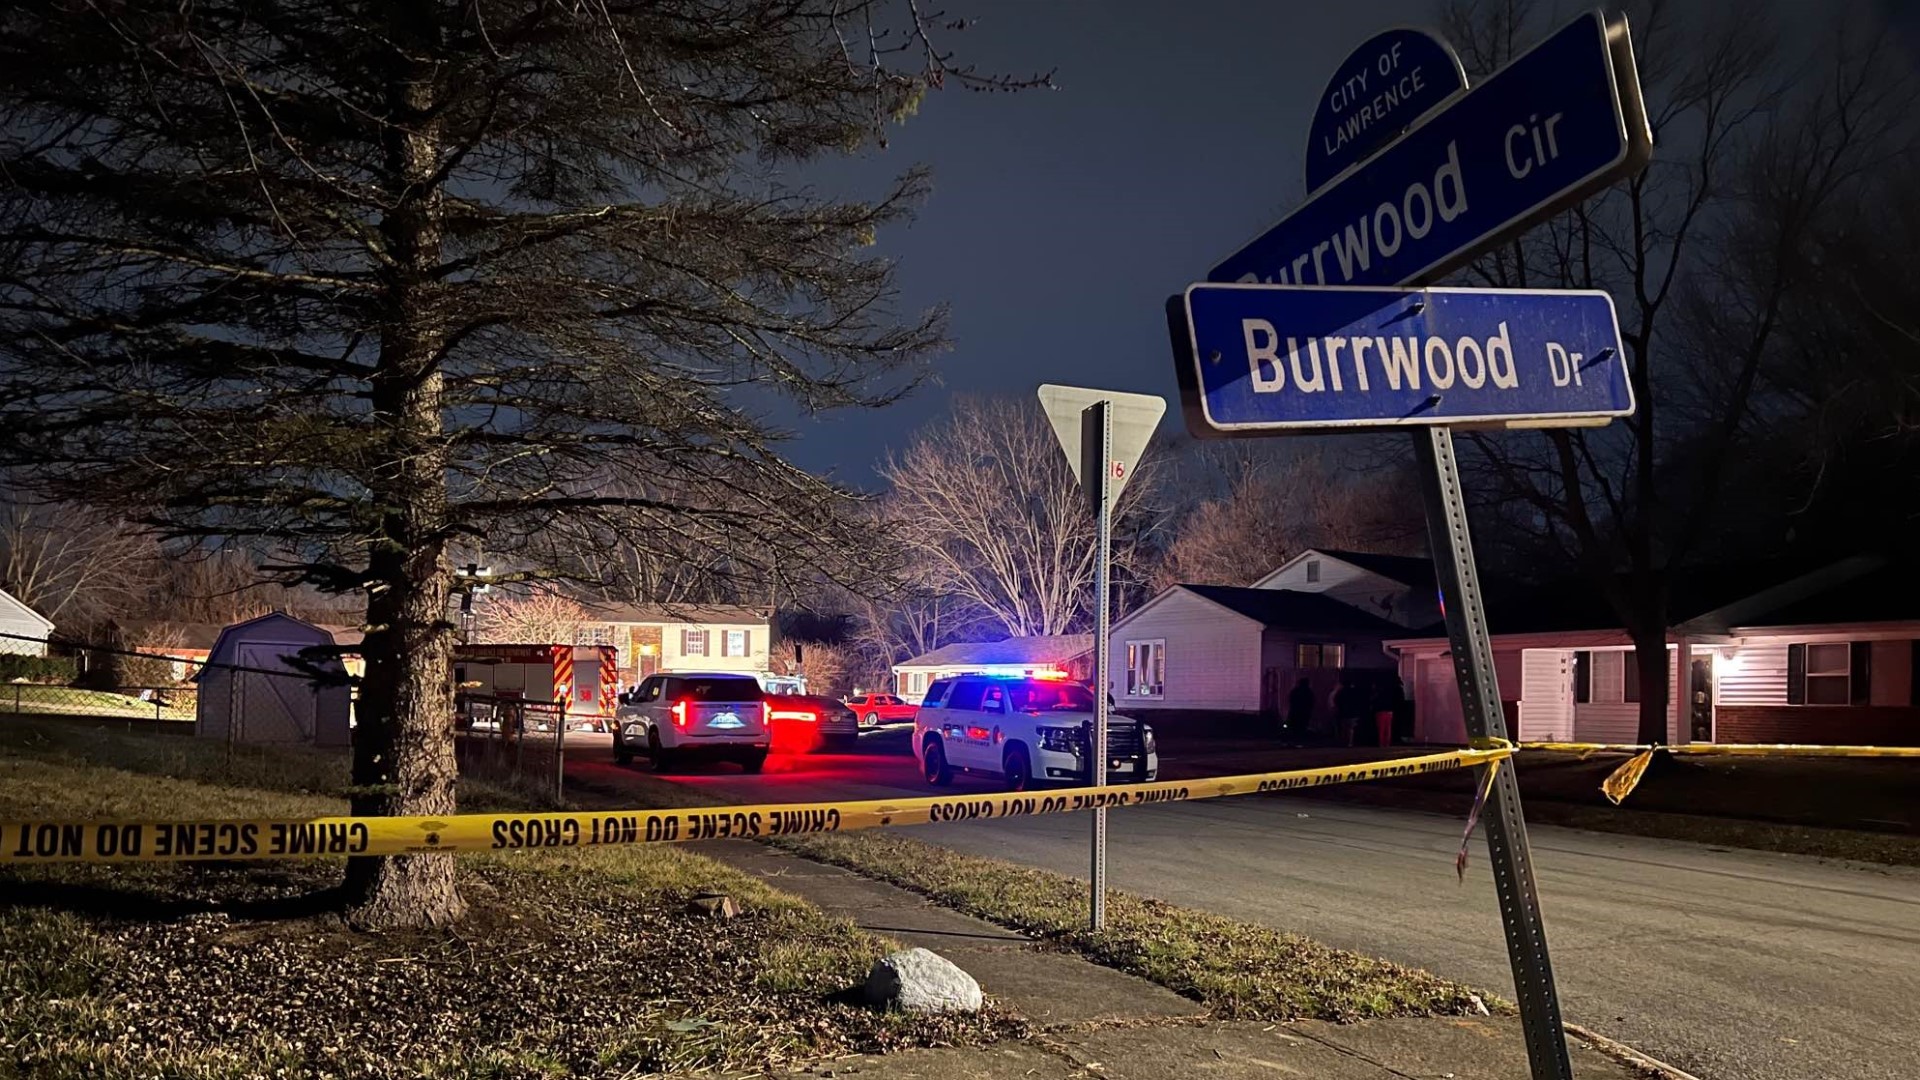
1033,649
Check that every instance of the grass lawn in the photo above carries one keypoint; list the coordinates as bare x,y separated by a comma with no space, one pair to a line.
1242,971
581,963
69,700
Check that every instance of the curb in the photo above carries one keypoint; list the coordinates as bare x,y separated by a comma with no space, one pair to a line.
1622,1052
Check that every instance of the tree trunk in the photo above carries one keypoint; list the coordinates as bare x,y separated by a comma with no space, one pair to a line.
403,759
1650,655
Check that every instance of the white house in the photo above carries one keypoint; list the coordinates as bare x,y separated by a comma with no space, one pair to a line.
1215,647
1824,657
702,637
1397,588
25,629
1070,655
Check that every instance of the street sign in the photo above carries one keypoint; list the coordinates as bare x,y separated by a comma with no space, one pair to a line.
1557,124
1104,432
1262,359
1134,416
1389,82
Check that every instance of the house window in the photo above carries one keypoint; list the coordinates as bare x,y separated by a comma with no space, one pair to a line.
1313,571
1146,668
1606,677
1319,654
734,642
1829,673
693,642
592,635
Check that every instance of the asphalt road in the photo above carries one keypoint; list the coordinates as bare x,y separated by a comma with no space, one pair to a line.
1733,965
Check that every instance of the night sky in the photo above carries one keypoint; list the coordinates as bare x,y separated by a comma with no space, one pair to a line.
1062,219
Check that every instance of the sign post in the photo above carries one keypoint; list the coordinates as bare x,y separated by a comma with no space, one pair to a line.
1104,432
1559,123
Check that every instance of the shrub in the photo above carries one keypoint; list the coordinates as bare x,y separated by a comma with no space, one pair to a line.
36,669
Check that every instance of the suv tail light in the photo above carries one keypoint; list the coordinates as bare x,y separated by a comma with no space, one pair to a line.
803,715
679,711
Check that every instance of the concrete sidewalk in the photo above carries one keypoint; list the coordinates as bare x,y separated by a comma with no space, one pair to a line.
1096,1022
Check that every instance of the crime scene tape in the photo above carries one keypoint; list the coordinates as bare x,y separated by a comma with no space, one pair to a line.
1621,781
180,841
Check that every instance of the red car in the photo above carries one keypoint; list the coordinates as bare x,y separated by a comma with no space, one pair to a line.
876,709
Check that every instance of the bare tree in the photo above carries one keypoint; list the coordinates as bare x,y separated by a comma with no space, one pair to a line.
363,282
985,507
825,665
76,566
1278,503
538,618
1739,117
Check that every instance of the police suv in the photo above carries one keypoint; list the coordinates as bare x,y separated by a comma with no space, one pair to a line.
1026,730
671,717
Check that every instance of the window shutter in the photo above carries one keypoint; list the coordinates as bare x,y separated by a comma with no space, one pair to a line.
684,639
1796,674
1913,674
746,645
1860,672
1582,677
1630,673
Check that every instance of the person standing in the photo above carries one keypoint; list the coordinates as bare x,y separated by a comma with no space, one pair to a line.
1299,708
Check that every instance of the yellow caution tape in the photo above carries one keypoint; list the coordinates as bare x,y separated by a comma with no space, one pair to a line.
179,841
1734,749
1622,780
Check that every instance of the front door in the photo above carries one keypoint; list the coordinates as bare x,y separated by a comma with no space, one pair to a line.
1700,699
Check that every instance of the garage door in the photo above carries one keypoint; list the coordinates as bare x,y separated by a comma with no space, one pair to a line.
1437,715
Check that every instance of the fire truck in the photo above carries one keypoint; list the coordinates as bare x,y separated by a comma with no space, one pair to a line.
585,679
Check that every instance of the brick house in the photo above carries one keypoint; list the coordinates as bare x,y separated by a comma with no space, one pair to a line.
1821,657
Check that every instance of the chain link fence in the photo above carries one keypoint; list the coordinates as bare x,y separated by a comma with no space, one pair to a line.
513,742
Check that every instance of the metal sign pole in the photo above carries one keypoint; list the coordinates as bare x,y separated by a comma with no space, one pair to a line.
1097,444
1507,849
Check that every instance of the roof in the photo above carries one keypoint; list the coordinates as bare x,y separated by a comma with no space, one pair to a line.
1716,598
1411,570
1864,590
615,612
1288,609
1034,649
224,646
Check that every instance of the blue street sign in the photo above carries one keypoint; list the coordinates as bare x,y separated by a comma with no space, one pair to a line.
1393,79
1556,124
1266,358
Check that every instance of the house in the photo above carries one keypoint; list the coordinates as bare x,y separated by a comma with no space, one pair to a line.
1216,647
1826,656
708,637
186,645
1398,588
1070,655
23,631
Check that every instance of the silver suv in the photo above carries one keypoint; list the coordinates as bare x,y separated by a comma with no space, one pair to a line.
1024,730
671,717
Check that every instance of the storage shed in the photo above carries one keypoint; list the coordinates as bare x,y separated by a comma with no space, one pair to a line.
256,689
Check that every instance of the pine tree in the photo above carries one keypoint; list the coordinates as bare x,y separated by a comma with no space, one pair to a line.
367,284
